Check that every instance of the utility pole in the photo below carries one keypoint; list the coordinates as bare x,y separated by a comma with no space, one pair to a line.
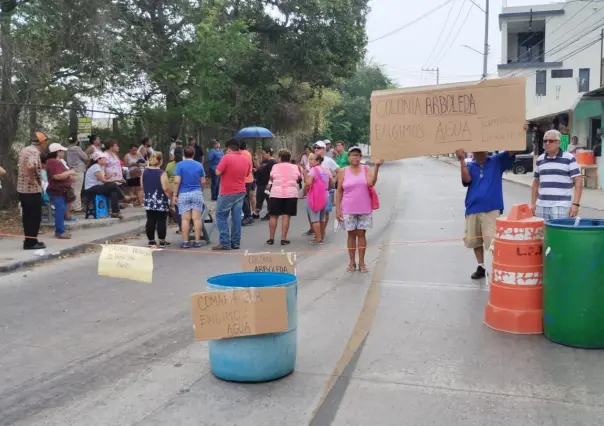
486,41
602,58
436,70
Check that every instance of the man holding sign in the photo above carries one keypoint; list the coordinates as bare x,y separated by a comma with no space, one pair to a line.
484,200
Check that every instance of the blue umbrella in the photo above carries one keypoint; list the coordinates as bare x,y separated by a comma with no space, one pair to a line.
254,133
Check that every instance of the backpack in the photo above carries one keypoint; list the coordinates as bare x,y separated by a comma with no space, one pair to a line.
317,194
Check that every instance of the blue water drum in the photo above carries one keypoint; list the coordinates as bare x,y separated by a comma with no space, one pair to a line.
256,358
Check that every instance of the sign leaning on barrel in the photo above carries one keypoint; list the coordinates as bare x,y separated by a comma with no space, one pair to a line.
486,115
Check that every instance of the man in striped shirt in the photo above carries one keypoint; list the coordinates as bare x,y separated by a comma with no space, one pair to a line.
557,187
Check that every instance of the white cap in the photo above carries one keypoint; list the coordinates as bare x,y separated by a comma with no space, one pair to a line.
327,141
320,144
56,147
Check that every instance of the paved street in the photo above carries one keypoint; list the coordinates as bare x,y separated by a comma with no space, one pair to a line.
80,349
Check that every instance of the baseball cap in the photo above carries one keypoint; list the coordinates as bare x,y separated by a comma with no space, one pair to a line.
56,147
320,144
355,148
327,142
97,155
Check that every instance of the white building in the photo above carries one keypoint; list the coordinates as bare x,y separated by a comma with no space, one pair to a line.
558,48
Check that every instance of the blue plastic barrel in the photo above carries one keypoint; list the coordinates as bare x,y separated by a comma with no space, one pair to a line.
256,358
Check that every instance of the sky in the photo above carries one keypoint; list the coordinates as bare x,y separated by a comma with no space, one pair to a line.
426,44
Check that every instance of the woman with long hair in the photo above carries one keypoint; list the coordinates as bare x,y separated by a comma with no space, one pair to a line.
114,166
156,200
60,187
95,182
76,160
283,199
354,206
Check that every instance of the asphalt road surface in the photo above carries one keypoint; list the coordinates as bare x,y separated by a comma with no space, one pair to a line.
402,345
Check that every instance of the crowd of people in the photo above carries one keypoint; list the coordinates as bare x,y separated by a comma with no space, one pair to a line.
241,184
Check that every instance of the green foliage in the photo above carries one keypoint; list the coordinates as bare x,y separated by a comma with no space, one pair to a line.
349,120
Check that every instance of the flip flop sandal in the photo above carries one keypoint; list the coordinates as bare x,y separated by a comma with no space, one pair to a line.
351,268
363,268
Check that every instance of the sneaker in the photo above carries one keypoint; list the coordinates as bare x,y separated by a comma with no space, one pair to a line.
265,217
220,247
479,274
255,216
185,245
38,246
308,233
152,243
164,244
247,221
235,247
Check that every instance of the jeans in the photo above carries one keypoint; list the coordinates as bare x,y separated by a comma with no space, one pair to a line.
60,208
229,204
111,190
31,206
215,184
156,220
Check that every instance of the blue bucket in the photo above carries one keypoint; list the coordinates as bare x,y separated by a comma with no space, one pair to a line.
256,358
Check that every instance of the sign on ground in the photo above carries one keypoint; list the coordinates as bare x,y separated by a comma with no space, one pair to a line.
127,262
241,312
284,263
478,116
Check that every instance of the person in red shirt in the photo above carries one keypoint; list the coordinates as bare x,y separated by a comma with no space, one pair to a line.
60,187
233,170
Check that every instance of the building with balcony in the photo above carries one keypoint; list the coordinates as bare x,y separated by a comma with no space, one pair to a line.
558,48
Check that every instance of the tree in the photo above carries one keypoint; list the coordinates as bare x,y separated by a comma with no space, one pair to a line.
349,120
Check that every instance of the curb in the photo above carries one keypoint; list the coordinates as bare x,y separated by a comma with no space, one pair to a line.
100,223
79,248
526,185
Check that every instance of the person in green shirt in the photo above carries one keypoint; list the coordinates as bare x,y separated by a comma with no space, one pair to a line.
342,155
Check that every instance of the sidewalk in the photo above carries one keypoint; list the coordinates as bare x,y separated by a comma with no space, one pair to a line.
85,234
591,198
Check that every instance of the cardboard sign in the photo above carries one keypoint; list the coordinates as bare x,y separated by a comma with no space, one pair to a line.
241,312
127,262
84,128
284,263
479,116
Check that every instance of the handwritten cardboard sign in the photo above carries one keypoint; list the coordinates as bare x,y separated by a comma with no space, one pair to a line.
284,263
241,312
478,116
128,262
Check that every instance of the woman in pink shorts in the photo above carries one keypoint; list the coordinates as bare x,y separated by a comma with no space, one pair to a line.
353,205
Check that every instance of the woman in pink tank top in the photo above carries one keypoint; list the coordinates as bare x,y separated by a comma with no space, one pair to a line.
353,205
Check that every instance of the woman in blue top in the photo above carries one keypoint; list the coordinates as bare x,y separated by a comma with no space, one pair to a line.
156,200
189,178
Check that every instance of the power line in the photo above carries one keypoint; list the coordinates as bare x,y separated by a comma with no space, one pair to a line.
450,31
555,29
416,20
442,30
446,51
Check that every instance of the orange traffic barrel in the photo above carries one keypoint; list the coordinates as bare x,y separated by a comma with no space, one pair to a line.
585,158
515,300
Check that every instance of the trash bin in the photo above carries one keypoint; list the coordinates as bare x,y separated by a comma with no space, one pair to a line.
256,358
573,282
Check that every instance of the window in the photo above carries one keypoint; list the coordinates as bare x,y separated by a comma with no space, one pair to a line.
531,46
562,73
541,80
584,80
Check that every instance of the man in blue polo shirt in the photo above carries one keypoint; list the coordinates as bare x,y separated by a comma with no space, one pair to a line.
484,199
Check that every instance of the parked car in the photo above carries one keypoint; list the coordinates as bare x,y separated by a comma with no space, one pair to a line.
523,163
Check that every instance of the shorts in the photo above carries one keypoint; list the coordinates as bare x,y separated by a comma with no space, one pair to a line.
314,216
330,197
480,229
249,187
282,206
352,222
188,201
133,182
554,212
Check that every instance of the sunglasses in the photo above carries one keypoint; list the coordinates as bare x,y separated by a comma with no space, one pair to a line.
548,141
